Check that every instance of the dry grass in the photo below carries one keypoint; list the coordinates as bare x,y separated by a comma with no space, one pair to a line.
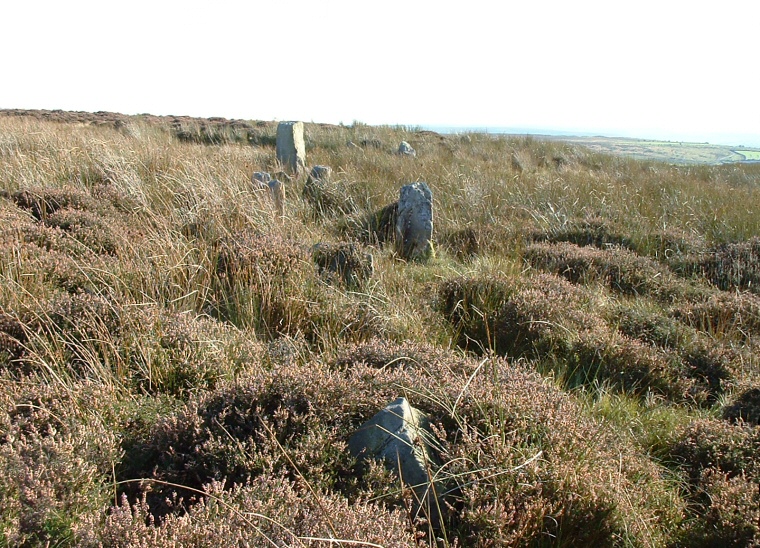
181,366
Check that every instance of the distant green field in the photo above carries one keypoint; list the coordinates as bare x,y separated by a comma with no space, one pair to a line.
668,151
753,155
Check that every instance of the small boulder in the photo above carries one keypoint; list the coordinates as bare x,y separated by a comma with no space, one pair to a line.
400,437
405,149
260,180
324,195
414,222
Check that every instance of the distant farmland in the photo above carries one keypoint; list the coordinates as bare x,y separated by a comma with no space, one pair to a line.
674,152
750,155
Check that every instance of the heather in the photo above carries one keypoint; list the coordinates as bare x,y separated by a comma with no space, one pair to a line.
182,366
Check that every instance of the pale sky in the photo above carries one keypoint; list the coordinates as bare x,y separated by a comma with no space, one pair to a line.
673,69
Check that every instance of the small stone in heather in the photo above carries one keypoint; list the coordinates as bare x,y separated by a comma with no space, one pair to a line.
400,437
314,188
320,173
406,149
325,195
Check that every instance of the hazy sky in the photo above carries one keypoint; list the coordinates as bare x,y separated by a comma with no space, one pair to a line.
655,68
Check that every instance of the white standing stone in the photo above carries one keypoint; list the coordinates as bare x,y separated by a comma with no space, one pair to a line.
414,222
291,150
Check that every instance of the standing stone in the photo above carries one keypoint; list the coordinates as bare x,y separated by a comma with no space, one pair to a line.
291,151
400,436
261,180
414,222
406,149
277,189
315,187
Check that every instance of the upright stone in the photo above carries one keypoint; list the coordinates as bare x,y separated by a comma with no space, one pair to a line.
414,222
291,151
400,437
315,187
277,189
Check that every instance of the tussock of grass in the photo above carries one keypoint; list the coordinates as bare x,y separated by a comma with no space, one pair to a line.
179,365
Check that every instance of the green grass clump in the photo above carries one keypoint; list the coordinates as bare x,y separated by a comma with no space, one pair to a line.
182,365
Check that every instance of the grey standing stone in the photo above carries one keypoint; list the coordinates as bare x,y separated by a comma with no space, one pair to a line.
414,222
291,150
400,436
406,149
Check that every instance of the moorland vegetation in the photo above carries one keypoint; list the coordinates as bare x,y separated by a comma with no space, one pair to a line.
176,369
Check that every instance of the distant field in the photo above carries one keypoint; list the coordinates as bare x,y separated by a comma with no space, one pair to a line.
750,155
668,151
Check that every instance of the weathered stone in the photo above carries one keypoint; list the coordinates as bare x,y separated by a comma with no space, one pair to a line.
345,262
260,180
406,149
414,222
291,150
277,190
324,195
320,173
400,436
314,188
